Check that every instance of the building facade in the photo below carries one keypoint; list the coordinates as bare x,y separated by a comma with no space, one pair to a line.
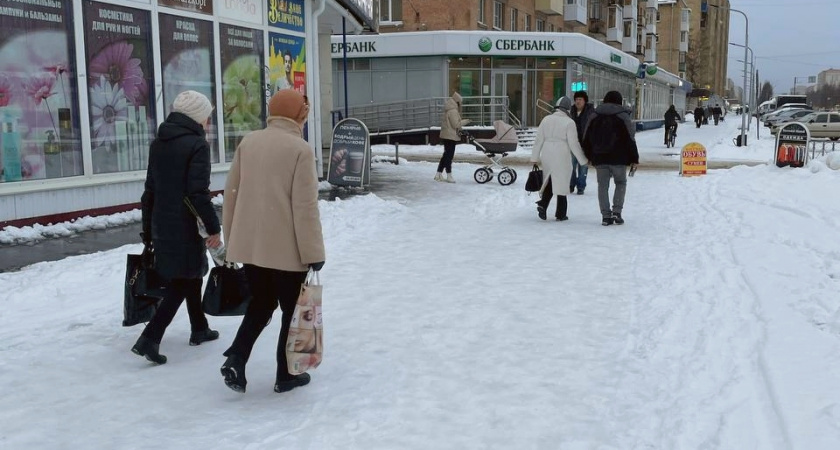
828,77
84,85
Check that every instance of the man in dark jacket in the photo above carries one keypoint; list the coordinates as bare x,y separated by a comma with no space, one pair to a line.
609,143
178,179
671,119
699,113
581,114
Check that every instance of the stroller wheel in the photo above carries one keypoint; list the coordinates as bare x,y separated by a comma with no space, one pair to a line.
482,175
514,175
506,177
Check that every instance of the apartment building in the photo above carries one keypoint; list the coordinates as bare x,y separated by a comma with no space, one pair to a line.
673,26
828,77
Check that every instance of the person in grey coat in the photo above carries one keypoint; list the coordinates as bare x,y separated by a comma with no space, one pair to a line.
610,144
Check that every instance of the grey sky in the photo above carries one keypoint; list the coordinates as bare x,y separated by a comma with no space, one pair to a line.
790,39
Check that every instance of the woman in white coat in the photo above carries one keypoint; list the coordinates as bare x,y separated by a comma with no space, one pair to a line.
556,141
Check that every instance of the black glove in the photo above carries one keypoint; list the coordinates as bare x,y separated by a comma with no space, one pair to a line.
148,251
317,265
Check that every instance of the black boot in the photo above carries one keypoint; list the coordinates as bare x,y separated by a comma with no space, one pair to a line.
295,381
234,372
148,348
197,337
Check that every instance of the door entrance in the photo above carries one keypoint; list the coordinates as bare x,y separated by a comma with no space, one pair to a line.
511,84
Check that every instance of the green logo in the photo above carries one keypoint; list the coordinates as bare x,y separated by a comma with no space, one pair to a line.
651,70
485,44
615,58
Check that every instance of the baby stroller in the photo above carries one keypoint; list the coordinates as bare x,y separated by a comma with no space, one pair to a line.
505,141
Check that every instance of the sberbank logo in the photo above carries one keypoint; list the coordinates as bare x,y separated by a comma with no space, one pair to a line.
485,44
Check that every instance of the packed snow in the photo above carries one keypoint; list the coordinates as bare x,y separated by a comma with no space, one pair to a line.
455,318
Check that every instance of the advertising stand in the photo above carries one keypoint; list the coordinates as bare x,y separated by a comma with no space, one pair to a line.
792,145
349,163
693,160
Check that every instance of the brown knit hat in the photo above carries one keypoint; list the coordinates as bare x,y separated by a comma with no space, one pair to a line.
288,103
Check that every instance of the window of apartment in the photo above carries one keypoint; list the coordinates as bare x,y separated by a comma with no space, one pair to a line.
390,10
628,28
686,15
628,2
595,9
683,36
498,15
540,25
527,22
611,22
514,17
551,28
658,16
481,12
703,19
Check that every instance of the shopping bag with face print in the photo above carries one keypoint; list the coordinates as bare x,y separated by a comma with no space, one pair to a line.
305,345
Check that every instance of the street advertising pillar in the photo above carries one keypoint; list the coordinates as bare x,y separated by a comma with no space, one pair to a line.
349,163
792,145
693,160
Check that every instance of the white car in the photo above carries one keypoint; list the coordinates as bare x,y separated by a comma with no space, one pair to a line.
820,124
786,116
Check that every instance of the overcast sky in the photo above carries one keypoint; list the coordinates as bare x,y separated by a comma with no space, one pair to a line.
790,39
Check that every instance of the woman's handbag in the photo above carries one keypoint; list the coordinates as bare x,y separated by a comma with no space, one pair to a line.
137,308
305,345
535,179
226,293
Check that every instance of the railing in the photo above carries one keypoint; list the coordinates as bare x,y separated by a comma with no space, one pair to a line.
823,144
426,113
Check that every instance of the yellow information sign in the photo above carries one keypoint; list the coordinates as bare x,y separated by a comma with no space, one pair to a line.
693,160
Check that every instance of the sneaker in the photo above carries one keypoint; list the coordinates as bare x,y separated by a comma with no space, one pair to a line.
607,221
288,385
617,218
150,349
580,192
560,219
197,337
234,372
541,212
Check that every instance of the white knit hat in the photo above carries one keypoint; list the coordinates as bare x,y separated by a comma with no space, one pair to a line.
193,105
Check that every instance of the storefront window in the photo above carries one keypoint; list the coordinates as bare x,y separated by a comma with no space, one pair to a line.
39,116
508,63
187,63
243,99
119,83
464,62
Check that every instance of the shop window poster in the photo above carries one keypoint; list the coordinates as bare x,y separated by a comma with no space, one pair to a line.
201,6
286,14
119,83
243,100
39,114
287,63
187,62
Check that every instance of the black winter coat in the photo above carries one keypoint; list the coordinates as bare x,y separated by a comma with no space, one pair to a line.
179,167
610,138
582,118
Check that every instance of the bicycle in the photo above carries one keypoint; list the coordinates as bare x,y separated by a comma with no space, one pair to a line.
671,138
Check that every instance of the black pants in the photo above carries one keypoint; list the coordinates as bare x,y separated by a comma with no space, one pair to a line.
667,131
269,287
545,200
448,154
176,291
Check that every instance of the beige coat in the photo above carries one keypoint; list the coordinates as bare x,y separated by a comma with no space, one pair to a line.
556,142
452,121
270,213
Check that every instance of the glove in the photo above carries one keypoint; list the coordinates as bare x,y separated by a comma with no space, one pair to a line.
146,240
316,266
148,251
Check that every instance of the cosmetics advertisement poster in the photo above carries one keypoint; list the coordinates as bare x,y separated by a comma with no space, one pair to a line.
187,62
120,86
243,100
39,116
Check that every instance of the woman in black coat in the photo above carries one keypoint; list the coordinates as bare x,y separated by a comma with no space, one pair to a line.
178,174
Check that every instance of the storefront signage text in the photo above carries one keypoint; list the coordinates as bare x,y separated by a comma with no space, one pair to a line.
485,44
203,6
615,58
286,14
110,27
355,47
245,10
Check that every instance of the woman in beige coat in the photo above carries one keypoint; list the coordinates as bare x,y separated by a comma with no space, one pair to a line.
554,146
449,128
272,226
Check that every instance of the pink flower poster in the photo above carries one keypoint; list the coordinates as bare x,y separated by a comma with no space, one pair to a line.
39,115
120,86
187,63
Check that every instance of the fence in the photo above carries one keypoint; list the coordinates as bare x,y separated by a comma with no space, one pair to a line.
822,147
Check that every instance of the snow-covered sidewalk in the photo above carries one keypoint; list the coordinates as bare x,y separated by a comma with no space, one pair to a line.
455,318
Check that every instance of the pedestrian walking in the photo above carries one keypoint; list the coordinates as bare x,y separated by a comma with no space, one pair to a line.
450,128
179,169
272,225
581,114
610,145
698,115
556,142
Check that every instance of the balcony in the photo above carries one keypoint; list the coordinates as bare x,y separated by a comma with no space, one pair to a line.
685,20
629,38
575,13
615,24
684,46
652,4
650,51
549,7
630,11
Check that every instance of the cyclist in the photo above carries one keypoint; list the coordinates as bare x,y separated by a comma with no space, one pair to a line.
671,118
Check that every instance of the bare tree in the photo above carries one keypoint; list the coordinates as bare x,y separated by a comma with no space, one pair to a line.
826,97
694,70
766,92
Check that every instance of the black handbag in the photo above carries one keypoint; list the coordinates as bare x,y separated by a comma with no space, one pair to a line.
226,293
136,308
535,179
144,280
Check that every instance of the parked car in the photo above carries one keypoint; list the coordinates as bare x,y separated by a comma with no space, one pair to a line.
820,124
784,109
787,116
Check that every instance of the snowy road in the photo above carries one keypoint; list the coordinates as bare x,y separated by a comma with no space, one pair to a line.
457,319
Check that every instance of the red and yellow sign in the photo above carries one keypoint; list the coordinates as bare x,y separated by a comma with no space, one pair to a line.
693,160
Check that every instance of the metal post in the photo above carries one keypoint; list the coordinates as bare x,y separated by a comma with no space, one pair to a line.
746,61
344,51
397,153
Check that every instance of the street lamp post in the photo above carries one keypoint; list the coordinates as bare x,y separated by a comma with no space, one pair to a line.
793,91
746,58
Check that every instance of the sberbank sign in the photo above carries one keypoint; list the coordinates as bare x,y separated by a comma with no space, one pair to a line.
486,44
